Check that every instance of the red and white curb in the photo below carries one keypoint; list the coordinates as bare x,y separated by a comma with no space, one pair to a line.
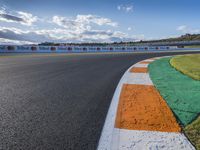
113,138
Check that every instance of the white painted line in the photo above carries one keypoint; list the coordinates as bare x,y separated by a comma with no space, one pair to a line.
156,58
107,134
137,78
161,57
140,65
149,60
149,140
108,129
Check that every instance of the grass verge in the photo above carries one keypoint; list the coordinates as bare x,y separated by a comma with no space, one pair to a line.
192,46
188,65
193,132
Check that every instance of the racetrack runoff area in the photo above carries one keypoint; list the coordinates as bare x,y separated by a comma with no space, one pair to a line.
180,91
175,79
139,118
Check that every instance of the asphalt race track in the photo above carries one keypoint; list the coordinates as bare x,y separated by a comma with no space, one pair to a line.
58,101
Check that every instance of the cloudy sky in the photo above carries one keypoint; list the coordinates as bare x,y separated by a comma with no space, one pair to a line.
35,21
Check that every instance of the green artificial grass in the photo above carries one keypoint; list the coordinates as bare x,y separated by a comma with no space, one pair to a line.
188,65
181,92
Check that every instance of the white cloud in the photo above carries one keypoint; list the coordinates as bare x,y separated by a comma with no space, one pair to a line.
129,29
69,24
126,8
21,35
14,42
28,19
82,22
81,28
63,35
96,20
21,17
185,29
182,28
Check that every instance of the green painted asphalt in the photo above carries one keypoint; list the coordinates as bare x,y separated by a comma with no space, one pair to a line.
181,92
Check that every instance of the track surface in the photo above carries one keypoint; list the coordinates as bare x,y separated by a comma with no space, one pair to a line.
58,101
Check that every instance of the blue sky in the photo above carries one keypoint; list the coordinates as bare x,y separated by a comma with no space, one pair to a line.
35,21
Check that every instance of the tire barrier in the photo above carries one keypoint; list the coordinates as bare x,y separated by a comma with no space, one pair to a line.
33,48
53,48
10,48
69,49
79,49
84,49
98,49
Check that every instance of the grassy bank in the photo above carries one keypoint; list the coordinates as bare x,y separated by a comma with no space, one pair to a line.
188,65
193,132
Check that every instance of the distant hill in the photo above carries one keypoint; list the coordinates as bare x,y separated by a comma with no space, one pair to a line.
189,37
186,37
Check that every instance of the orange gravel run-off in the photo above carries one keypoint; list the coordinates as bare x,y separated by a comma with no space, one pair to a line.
139,70
142,108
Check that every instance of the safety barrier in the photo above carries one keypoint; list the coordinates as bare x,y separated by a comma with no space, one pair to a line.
81,49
